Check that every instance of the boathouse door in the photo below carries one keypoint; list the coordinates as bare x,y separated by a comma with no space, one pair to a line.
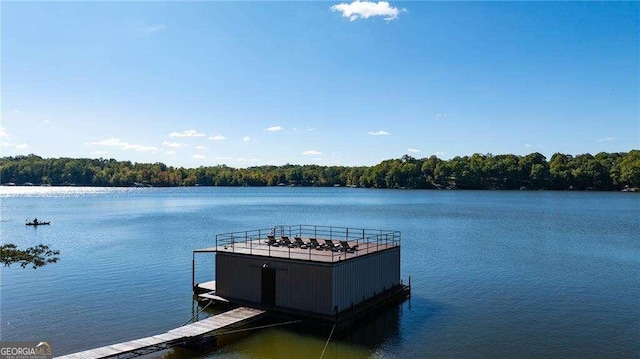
268,286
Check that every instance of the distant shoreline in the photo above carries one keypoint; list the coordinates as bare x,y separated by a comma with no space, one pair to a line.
603,172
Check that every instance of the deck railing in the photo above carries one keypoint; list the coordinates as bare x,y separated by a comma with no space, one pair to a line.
255,242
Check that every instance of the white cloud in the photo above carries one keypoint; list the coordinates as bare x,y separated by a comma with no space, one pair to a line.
187,133
224,158
413,150
116,142
439,154
112,142
170,152
306,129
366,9
379,133
3,132
274,129
173,144
217,137
311,153
152,28
146,28
99,152
606,139
200,148
246,138
18,146
531,145
242,159
199,157
442,115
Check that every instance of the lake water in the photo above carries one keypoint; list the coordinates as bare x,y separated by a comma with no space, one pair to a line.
494,273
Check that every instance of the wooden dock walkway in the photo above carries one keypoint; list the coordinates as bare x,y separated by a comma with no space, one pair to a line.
171,338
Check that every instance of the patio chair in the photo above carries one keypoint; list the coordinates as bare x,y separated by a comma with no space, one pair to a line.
347,248
315,244
287,242
271,241
332,246
300,243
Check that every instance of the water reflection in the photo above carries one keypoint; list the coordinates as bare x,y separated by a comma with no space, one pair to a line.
372,335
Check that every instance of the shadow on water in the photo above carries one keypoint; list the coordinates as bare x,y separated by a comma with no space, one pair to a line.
380,333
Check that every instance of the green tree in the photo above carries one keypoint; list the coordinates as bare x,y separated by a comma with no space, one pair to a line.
627,170
560,171
36,257
534,170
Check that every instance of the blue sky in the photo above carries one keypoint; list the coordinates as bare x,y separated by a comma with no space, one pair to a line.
331,83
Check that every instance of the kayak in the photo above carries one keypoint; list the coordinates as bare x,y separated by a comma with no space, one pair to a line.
37,223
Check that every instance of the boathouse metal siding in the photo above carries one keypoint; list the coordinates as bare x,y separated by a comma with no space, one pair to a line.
309,286
238,277
362,278
300,285
304,286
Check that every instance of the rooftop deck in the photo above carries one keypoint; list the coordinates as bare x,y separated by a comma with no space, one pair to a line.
306,242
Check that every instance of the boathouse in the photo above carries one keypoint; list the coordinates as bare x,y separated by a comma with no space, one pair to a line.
324,272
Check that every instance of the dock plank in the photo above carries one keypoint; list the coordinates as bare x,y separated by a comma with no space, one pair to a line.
206,325
212,297
166,337
105,351
188,332
210,286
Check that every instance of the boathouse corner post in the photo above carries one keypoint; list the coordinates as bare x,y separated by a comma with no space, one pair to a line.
193,270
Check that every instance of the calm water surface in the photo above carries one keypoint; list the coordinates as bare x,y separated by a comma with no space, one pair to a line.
494,274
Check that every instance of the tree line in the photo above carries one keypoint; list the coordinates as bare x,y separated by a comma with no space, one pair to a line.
602,172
